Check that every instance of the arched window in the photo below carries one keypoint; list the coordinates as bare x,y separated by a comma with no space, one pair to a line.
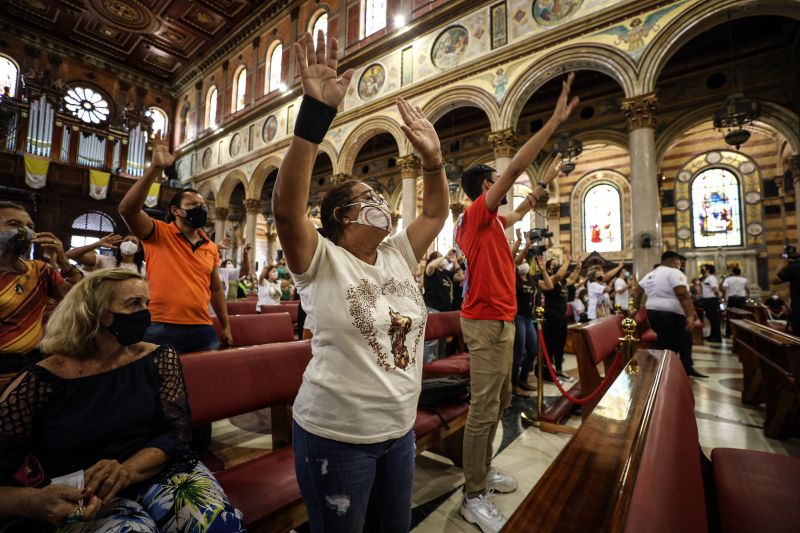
9,74
602,219
374,16
86,104
274,81
320,23
89,227
159,117
716,209
211,108
239,89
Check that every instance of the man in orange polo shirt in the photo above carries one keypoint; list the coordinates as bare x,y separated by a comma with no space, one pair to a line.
182,264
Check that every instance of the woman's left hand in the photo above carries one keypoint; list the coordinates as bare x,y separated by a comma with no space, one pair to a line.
420,133
106,478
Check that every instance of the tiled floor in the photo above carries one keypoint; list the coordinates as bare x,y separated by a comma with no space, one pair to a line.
526,452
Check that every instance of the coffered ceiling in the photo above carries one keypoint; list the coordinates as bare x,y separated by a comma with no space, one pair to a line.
159,37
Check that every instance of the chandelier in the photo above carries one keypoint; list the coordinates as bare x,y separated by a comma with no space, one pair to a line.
567,148
737,113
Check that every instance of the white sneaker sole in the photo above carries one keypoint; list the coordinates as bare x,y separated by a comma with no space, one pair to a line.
467,515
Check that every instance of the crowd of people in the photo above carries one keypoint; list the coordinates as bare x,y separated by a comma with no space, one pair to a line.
95,426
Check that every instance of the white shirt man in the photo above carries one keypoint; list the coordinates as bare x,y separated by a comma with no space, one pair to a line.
735,286
710,286
710,303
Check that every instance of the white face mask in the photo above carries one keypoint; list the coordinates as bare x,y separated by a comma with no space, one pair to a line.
448,265
376,215
774,296
524,269
128,248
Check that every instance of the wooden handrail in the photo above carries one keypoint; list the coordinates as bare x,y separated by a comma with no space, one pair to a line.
590,484
767,333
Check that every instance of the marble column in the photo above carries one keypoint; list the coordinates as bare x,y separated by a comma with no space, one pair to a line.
504,146
271,238
220,216
410,169
553,211
253,208
640,114
395,219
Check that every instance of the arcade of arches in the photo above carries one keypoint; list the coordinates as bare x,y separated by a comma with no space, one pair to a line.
86,90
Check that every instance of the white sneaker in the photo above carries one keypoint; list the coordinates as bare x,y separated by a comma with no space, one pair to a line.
482,512
498,482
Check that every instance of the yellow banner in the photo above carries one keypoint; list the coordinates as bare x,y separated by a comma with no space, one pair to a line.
98,184
36,171
152,195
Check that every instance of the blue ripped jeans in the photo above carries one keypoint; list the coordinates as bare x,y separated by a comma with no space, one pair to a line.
346,486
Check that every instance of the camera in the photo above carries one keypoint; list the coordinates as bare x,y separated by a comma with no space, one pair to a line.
790,252
540,234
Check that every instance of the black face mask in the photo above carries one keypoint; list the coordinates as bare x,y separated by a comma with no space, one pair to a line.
130,328
197,216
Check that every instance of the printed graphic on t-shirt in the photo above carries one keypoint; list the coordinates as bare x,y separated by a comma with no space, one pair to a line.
363,306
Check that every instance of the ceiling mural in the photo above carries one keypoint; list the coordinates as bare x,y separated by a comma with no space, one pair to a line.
157,37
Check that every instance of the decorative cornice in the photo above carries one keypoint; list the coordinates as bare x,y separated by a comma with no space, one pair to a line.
221,213
640,111
456,208
253,206
410,166
340,178
503,142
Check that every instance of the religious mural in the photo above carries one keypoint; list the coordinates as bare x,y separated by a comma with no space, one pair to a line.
633,35
716,209
602,219
499,25
269,129
371,81
450,47
548,12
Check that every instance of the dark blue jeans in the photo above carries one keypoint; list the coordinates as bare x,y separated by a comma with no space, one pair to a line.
347,486
525,349
184,338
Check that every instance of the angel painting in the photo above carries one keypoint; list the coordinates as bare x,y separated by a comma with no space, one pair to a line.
635,33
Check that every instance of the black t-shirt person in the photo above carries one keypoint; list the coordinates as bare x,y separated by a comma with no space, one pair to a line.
526,289
791,274
439,290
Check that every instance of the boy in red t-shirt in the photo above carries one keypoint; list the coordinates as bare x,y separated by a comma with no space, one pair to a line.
487,315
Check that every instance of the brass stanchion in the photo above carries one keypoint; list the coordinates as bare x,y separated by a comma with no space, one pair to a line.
617,309
528,415
629,341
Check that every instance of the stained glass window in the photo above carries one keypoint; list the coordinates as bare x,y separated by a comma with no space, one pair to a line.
8,75
602,219
320,24
159,121
716,210
211,106
241,87
374,16
86,104
275,82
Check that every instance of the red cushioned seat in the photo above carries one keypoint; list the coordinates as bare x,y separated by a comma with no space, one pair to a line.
427,422
449,366
441,325
648,336
290,308
463,355
262,488
602,336
756,491
244,307
250,330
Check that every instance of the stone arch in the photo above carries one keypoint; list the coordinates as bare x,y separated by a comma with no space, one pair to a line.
465,96
227,186
695,20
782,119
582,186
361,134
597,57
259,177
206,190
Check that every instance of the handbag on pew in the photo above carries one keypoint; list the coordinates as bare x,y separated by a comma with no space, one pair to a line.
441,391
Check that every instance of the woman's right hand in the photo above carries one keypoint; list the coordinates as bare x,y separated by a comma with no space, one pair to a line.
54,503
318,73
112,239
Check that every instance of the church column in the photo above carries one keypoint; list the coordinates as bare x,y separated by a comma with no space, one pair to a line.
640,114
253,208
271,237
456,208
395,219
554,222
503,144
410,169
220,216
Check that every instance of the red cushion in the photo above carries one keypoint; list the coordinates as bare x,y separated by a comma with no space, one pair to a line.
569,313
246,307
668,495
462,355
262,488
226,383
649,336
440,325
427,422
282,308
449,366
602,336
756,491
641,315
249,330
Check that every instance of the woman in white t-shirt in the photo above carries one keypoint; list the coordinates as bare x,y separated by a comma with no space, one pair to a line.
128,254
579,306
356,407
269,288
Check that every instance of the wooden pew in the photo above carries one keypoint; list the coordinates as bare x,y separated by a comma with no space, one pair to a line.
635,465
770,361
737,313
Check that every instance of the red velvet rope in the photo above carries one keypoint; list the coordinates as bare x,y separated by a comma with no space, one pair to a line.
601,389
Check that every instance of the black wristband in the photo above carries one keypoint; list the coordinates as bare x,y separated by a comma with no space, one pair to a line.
313,120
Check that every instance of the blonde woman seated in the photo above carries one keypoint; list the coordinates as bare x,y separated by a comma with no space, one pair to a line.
111,413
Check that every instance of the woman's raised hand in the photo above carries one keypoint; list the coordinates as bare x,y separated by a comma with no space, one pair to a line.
318,73
420,133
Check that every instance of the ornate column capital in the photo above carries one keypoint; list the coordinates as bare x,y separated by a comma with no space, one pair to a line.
640,111
554,210
456,208
410,166
793,164
252,206
340,178
221,213
503,142
395,218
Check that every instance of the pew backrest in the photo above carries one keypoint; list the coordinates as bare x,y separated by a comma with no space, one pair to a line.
243,307
281,308
226,383
249,330
441,325
602,337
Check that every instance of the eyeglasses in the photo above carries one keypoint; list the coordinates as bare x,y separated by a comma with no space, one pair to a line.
371,197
